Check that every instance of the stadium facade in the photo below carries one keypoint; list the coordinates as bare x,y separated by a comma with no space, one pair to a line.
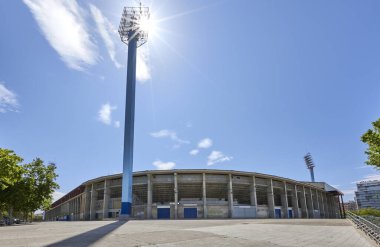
181,194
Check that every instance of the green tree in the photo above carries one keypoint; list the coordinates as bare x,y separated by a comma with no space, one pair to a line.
38,185
34,191
10,173
10,168
372,138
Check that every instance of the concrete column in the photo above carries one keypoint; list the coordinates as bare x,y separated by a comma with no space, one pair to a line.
230,196
106,198
204,196
340,208
75,208
319,205
295,203
322,205
253,194
175,196
335,206
344,210
330,206
327,206
333,211
284,201
149,199
83,202
304,209
92,202
70,209
83,205
312,204
271,199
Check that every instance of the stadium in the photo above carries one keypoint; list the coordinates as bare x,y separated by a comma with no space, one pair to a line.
200,194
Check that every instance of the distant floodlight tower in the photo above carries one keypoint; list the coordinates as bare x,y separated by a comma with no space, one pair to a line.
310,165
133,32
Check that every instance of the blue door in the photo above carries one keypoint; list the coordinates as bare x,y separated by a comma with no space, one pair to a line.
163,213
278,213
290,213
190,213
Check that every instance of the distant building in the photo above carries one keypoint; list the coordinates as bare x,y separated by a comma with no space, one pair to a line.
350,206
368,194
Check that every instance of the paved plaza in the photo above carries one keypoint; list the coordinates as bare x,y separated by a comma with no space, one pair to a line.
267,232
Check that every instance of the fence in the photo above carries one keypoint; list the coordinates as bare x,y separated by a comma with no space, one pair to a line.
372,230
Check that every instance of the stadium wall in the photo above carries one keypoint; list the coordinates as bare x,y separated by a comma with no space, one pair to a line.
208,194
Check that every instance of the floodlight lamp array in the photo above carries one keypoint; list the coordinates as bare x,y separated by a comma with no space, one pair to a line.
129,27
309,161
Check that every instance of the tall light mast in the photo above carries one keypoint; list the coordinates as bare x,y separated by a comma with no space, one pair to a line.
310,165
133,32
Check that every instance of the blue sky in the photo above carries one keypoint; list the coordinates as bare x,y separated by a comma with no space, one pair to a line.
236,85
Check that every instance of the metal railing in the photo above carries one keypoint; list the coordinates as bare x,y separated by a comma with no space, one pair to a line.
372,230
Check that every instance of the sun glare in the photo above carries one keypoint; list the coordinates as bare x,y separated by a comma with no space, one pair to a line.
147,25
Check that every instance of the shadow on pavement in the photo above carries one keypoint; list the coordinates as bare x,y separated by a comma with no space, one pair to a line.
90,237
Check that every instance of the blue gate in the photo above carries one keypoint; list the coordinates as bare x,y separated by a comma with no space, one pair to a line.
163,213
290,213
190,213
277,213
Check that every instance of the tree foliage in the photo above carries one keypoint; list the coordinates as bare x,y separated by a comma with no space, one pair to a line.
31,189
368,211
372,139
10,170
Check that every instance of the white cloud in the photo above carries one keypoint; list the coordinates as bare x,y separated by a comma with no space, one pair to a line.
63,25
117,124
142,67
105,113
194,152
163,165
164,133
205,143
8,100
365,166
189,124
369,177
106,31
217,157
57,195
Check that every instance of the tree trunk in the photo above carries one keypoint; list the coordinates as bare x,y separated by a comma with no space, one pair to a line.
10,212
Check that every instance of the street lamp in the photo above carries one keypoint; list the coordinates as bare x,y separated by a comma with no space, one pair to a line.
133,31
310,165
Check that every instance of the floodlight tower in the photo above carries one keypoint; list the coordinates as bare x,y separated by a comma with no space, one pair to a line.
132,32
310,165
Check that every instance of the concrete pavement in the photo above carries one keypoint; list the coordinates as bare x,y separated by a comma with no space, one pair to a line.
266,232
